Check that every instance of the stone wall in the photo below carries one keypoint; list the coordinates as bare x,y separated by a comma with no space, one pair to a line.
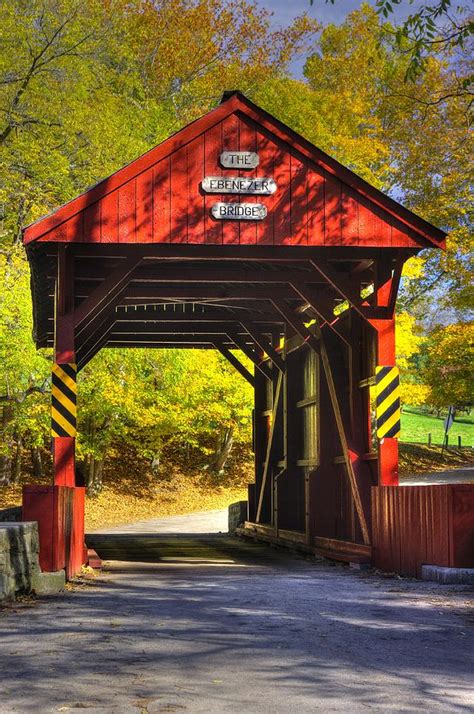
19,557
237,515
20,570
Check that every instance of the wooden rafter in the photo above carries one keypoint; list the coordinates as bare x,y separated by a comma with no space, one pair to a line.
197,274
321,307
107,295
346,290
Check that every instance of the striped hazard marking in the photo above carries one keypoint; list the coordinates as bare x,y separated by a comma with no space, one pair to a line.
387,395
63,404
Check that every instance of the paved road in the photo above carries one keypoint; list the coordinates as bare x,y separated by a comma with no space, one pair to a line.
203,522
465,475
258,633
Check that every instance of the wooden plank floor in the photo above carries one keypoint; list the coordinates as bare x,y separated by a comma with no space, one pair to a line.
154,548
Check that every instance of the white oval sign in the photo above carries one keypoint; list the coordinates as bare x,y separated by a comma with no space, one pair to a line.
239,211
239,184
239,159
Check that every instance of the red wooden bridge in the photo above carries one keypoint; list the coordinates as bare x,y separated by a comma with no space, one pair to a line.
295,261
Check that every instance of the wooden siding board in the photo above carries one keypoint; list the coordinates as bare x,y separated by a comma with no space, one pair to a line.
231,142
349,217
213,147
144,207
161,204
75,228
126,213
463,525
299,201
282,206
109,215
195,207
92,217
414,525
267,151
315,207
248,142
332,210
179,196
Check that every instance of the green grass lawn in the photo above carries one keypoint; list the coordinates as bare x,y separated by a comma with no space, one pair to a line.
416,426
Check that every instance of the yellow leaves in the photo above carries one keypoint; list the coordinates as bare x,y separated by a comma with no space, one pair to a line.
448,365
414,394
414,268
408,338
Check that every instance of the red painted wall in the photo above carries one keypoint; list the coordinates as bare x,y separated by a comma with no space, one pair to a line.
164,203
417,525
59,512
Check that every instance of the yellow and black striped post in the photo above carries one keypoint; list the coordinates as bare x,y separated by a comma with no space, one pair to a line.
387,394
63,404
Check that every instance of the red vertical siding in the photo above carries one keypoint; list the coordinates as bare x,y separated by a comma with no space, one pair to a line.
230,142
75,228
179,197
164,202
161,204
92,219
195,205
109,226
267,151
417,525
144,212
213,148
299,201
332,210
282,207
349,217
315,207
248,142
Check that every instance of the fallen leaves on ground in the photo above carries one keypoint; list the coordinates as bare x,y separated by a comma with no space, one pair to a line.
130,493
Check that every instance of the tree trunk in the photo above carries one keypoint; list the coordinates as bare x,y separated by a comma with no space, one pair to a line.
223,450
6,459
17,461
94,476
37,463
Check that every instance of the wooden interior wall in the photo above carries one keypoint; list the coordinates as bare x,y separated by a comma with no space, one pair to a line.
307,488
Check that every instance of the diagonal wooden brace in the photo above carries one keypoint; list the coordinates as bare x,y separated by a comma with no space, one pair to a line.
250,353
346,290
264,345
235,362
266,468
106,295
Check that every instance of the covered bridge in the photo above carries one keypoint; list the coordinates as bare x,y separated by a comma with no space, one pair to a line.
238,234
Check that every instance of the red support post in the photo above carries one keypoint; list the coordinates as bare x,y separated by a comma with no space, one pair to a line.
64,353
64,446
64,462
385,329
